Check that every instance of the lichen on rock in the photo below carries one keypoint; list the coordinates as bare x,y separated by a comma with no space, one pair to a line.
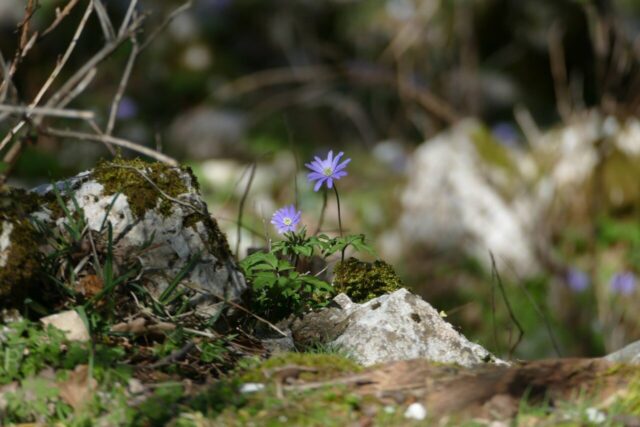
362,281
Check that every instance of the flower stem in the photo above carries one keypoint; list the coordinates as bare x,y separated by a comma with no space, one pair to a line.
324,208
335,190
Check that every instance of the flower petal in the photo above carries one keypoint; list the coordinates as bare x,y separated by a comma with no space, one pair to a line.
319,184
342,165
334,163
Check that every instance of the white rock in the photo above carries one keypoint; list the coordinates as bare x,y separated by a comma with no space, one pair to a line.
397,326
451,203
416,411
251,387
595,416
70,323
173,244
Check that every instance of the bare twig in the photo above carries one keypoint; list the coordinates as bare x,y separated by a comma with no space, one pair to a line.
498,279
80,87
316,74
111,140
165,195
96,59
559,73
60,15
105,22
539,312
52,77
122,86
175,356
186,6
44,111
127,17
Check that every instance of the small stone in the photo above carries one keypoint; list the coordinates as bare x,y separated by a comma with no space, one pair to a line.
416,411
70,323
595,416
251,387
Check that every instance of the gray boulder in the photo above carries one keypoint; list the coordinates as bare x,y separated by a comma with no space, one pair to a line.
629,354
462,197
158,218
396,326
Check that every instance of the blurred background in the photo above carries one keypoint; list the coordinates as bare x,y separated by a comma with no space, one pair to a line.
495,144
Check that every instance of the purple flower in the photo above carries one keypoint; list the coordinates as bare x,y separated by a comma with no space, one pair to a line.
127,108
286,219
623,283
577,280
325,171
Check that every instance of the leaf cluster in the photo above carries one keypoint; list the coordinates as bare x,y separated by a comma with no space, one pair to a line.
284,280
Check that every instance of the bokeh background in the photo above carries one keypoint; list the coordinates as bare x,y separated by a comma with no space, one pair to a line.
476,129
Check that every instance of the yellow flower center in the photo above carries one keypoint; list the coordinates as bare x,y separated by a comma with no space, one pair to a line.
327,171
287,221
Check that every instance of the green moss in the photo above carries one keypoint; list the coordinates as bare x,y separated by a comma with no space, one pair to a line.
630,401
491,151
362,281
125,176
21,272
327,366
217,241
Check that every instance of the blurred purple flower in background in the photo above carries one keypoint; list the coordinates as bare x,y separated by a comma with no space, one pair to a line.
577,280
127,109
286,219
326,170
507,134
623,283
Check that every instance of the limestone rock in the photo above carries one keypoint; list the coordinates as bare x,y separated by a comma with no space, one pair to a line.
397,326
629,354
70,323
461,197
159,219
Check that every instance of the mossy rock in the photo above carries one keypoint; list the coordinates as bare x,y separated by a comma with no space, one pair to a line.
20,256
363,281
140,182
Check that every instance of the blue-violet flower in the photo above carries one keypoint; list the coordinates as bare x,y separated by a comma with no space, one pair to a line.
286,219
623,283
577,280
327,170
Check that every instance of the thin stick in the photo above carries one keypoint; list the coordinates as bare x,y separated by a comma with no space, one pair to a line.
52,77
80,87
96,59
559,73
245,194
496,275
122,86
186,6
44,111
322,211
241,308
165,195
127,17
106,139
105,22
335,190
60,16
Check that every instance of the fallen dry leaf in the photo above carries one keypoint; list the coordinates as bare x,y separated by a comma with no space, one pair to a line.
77,389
